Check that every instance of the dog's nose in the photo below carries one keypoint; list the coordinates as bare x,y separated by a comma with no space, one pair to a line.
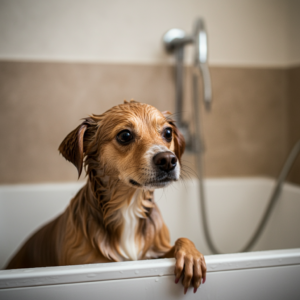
165,161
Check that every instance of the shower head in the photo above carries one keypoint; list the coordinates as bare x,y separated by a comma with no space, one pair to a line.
174,41
200,38
175,38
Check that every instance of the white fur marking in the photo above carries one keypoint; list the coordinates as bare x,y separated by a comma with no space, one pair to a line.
131,215
154,150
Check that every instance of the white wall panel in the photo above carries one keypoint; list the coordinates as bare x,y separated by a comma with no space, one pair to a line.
241,32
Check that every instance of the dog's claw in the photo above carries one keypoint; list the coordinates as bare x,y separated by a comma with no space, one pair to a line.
195,290
185,290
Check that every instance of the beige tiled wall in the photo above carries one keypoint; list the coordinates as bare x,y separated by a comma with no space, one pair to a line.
294,118
247,133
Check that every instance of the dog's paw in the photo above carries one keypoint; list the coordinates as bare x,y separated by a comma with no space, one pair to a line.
190,264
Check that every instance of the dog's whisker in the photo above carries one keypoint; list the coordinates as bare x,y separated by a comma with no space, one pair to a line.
184,175
186,169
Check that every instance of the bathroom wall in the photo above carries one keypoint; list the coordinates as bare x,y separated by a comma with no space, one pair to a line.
294,85
63,60
294,117
247,32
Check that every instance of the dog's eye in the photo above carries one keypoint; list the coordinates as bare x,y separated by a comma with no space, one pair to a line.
124,137
168,134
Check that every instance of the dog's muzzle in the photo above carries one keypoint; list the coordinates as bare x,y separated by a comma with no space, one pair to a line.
165,164
164,170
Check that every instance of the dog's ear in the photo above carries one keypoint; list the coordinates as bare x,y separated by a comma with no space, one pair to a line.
131,101
179,141
73,146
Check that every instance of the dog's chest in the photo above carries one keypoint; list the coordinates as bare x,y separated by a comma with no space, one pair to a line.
129,246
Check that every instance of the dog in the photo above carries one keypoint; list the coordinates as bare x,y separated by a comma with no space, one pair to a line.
127,152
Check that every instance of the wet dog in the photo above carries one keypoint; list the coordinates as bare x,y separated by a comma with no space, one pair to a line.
128,152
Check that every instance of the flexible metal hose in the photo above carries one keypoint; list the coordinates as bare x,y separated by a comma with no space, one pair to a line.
199,149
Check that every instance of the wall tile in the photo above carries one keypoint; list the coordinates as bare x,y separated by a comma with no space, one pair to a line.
246,132
294,118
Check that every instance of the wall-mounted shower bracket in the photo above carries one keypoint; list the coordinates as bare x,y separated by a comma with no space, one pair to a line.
175,40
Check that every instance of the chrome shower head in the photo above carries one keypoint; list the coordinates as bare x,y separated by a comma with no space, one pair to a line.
175,38
201,61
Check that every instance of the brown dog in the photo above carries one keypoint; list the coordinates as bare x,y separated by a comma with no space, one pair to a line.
128,152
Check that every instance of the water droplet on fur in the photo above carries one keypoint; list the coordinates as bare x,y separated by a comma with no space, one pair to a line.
136,272
91,275
156,280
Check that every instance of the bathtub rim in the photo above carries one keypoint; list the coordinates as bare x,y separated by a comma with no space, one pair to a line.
34,277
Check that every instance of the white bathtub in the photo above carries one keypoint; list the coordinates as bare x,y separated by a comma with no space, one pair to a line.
234,209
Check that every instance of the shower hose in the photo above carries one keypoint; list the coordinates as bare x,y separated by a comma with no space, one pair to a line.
198,147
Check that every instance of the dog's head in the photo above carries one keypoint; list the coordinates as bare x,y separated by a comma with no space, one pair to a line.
133,142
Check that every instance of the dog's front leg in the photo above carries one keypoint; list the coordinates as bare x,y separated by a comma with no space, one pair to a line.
190,264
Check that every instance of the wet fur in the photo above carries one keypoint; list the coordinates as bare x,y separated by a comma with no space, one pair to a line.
90,230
